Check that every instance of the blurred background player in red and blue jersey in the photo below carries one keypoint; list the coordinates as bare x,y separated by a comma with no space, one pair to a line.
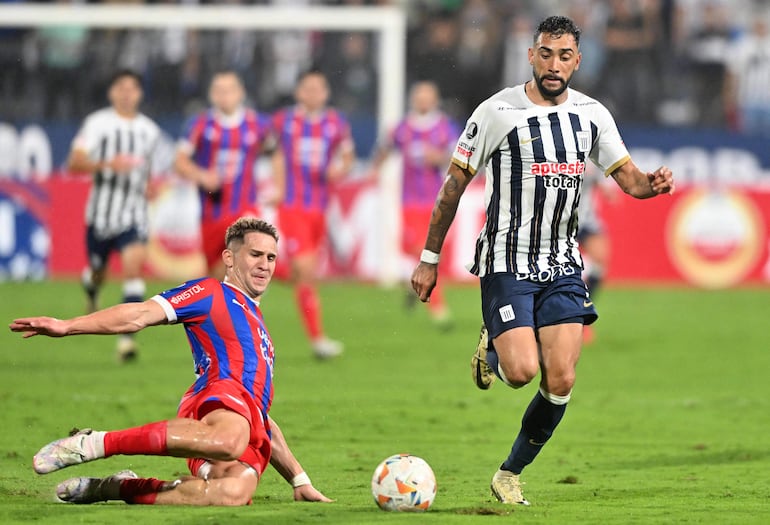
318,150
425,138
218,151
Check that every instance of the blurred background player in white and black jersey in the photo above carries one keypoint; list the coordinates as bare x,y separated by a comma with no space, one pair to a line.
115,145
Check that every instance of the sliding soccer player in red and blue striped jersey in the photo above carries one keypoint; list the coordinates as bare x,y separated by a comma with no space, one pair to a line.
317,150
218,152
222,425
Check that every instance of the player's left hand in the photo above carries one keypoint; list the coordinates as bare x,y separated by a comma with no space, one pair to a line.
662,181
32,326
424,280
309,493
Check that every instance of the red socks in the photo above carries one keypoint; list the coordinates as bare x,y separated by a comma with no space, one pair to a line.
142,491
309,309
147,440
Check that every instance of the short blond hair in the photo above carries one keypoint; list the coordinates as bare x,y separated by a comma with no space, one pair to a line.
238,230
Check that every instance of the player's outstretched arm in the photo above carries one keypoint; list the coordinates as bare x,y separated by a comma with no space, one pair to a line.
119,319
425,275
643,185
290,469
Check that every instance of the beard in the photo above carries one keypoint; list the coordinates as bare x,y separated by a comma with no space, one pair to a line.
550,93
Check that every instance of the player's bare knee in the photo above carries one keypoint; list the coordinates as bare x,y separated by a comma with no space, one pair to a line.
561,385
518,374
235,492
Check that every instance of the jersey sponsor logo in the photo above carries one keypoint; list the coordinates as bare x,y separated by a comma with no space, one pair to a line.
186,294
228,161
465,150
561,182
549,274
471,130
558,168
266,347
506,313
527,141
311,150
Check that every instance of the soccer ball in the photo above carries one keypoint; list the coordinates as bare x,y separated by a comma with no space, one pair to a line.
403,483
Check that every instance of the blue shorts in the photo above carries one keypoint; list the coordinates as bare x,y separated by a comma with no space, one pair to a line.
507,302
99,249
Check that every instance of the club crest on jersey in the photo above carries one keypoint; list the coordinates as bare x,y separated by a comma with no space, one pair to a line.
583,141
558,168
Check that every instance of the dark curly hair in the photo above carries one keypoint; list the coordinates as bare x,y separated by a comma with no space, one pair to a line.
238,230
558,26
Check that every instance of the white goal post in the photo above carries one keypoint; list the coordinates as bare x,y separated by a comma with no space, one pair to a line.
388,22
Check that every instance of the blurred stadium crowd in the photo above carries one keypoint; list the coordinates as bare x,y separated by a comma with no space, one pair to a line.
702,63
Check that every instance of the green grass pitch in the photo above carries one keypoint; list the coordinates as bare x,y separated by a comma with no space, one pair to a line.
669,420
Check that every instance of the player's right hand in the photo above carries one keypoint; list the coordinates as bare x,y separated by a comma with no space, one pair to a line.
31,326
310,493
424,280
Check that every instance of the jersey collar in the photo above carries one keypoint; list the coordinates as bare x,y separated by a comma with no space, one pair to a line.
231,285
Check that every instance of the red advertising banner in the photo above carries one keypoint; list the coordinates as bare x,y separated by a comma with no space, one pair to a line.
711,238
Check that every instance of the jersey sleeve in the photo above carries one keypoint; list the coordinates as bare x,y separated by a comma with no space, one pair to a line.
87,138
344,142
609,151
190,302
189,139
395,139
476,143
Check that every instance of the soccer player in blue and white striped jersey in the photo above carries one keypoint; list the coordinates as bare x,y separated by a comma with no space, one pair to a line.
115,145
534,141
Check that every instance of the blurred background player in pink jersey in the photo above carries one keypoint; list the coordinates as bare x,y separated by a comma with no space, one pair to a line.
218,152
318,150
425,138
